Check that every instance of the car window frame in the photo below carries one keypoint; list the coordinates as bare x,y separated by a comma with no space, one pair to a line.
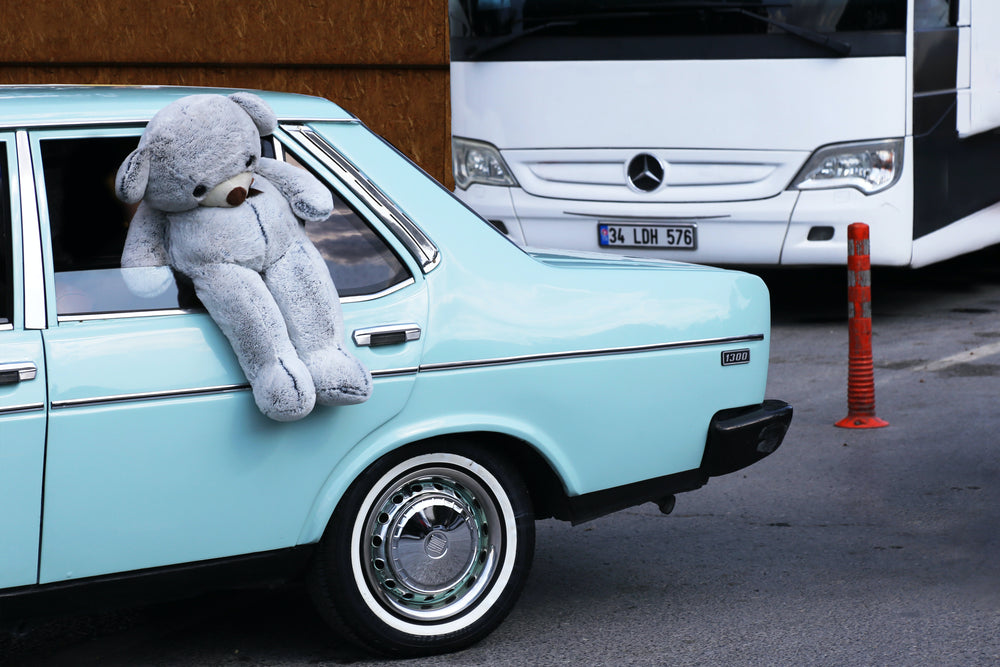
282,143
12,192
402,228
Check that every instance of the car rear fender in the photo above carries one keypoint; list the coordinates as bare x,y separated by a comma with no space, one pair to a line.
399,434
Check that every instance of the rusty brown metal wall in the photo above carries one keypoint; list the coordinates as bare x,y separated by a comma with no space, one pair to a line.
386,61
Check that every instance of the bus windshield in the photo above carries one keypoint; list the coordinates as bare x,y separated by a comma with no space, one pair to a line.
589,29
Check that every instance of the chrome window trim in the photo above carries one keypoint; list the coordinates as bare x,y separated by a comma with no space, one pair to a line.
19,409
407,231
359,298
87,317
35,308
583,354
6,327
145,396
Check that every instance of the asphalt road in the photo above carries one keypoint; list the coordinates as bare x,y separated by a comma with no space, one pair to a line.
876,547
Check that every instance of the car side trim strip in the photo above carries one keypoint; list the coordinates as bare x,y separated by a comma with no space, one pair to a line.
581,354
424,368
186,393
17,409
395,372
144,396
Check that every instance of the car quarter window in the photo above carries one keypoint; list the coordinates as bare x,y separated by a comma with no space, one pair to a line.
88,227
359,260
6,247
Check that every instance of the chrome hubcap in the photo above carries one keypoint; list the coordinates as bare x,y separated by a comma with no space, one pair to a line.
432,541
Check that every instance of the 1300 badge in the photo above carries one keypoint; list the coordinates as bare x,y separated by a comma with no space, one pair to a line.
735,357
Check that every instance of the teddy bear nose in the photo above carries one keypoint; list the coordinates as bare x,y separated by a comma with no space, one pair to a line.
236,196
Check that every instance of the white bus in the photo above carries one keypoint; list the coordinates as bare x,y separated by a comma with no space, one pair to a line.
728,131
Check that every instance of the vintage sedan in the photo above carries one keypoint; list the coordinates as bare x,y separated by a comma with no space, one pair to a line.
509,386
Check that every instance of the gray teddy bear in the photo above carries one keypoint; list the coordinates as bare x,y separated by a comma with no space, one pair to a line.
219,213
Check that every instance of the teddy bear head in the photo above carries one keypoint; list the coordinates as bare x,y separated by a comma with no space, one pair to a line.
200,150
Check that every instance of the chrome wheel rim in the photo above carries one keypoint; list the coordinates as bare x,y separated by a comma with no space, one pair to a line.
431,544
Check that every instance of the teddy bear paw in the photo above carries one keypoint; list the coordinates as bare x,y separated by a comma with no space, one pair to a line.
340,378
284,391
311,211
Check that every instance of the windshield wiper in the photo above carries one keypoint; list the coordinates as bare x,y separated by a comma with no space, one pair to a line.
837,46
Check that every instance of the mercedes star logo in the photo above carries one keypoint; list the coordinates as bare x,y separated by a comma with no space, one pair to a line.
645,172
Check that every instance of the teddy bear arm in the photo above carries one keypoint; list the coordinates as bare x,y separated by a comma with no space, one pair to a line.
146,241
309,198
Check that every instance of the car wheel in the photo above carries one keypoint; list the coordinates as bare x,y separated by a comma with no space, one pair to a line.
426,552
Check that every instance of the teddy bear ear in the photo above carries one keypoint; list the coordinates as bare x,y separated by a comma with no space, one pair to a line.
258,110
130,183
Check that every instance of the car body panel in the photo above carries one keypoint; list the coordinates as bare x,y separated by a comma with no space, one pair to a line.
156,411
574,305
145,434
22,411
45,106
22,460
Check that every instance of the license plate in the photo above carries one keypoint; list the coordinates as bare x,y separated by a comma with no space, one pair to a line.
675,237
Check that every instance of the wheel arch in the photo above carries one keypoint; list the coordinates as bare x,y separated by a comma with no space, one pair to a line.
547,483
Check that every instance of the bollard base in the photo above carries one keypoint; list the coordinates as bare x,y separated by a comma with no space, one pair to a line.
861,422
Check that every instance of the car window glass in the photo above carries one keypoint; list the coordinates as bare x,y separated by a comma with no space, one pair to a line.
358,258
930,14
6,249
88,225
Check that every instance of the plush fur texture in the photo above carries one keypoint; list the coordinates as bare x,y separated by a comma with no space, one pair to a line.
228,219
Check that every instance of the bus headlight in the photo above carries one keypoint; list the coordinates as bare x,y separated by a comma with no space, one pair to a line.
869,167
478,162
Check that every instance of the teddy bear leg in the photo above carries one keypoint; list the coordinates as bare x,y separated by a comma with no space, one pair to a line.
241,305
301,285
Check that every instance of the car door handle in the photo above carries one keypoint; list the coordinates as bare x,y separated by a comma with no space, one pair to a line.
21,371
391,334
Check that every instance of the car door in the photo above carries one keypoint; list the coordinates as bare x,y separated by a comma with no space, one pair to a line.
157,454
22,390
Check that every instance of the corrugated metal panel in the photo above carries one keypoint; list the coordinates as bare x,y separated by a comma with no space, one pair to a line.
386,62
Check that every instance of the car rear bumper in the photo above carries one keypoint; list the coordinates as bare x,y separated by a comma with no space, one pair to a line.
739,437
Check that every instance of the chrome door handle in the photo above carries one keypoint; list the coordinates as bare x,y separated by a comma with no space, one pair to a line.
22,371
391,334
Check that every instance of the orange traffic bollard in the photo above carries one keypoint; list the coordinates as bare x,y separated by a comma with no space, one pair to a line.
861,369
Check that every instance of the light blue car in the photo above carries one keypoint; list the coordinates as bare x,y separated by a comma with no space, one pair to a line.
508,386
